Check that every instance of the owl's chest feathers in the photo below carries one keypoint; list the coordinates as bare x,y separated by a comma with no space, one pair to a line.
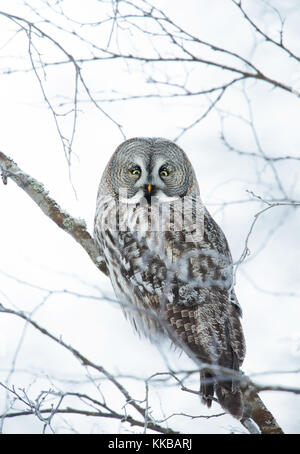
151,269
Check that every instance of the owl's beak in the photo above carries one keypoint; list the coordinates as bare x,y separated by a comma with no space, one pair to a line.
149,188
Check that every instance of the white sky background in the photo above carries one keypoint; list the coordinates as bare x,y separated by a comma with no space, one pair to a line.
34,250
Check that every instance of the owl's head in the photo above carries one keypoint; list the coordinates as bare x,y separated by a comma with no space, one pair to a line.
146,167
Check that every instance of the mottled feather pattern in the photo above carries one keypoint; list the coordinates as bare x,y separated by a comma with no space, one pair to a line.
172,284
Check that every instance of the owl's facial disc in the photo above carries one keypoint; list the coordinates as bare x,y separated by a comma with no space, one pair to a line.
150,168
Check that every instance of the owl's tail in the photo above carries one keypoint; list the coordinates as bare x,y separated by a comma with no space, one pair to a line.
207,387
228,393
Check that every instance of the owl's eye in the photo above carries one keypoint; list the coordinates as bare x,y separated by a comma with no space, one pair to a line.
135,171
163,172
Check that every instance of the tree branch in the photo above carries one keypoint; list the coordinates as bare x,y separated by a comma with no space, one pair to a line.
37,192
256,410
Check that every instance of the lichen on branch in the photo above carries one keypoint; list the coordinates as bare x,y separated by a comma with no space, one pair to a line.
37,192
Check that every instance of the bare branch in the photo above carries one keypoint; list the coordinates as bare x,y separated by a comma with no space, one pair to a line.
256,410
86,362
266,37
37,192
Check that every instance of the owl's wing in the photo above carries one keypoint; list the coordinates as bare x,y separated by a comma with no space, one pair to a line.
190,285
206,315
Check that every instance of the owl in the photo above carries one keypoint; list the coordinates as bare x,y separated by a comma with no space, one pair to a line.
169,262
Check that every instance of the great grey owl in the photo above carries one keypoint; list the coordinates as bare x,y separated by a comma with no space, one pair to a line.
169,262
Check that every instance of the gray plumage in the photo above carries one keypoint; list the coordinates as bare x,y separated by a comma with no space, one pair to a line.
169,262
